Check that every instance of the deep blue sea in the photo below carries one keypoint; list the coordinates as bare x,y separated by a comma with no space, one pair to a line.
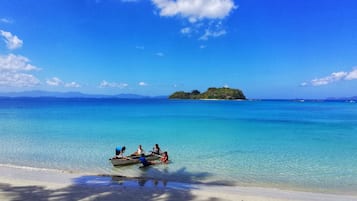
284,144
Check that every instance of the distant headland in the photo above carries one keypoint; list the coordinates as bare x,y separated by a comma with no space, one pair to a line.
211,93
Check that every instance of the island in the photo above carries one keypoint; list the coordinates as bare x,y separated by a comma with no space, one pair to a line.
211,93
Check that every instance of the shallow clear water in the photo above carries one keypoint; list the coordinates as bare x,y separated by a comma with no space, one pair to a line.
309,145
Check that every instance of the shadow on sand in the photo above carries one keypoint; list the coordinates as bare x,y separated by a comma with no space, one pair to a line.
113,187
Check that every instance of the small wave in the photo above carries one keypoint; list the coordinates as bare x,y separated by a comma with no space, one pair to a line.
36,168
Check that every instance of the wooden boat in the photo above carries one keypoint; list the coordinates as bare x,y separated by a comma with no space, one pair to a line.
130,160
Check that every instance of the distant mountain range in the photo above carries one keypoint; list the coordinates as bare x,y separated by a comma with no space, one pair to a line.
48,94
342,98
34,94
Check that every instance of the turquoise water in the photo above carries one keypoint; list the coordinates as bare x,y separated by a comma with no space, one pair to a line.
295,145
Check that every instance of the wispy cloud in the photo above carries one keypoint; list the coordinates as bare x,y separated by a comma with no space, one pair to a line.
56,82
352,75
159,54
209,14
12,68
106,84
143,84
214,34
6,20
304,84
333,77
186,30
12,41
329,79
129,1
140,47
72,85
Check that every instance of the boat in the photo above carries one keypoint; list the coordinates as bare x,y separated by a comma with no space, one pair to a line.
130,160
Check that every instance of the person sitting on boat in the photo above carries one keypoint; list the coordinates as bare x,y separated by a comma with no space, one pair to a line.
119,152
156,149
144,162
165,157
139,151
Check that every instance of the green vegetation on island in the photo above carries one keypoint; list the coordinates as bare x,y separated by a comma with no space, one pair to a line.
211,93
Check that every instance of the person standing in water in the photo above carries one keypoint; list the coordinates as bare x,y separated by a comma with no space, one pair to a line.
165,157
144,162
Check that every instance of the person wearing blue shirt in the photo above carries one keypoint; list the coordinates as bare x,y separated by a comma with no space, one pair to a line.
119,151
143,161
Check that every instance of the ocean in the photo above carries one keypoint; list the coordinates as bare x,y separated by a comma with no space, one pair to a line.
310,146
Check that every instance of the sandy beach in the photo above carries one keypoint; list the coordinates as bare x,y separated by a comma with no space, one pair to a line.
40,184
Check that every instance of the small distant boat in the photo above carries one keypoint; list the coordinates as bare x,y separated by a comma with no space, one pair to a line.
130,160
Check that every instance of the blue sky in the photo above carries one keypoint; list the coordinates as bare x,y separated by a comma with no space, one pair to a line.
269,49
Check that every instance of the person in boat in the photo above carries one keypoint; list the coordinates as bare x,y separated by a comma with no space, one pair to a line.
119,152
156,150
165,157
139,151
145,162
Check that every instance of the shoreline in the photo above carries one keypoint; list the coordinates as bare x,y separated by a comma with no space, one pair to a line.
40,184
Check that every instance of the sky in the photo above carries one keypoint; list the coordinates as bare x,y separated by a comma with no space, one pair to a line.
266,48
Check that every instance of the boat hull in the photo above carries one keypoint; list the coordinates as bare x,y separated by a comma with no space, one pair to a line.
132,160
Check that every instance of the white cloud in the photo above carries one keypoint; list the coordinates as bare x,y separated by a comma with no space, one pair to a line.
55,81
186,30
72,85
303,84
333,77
106,84
12,41
203,46
143,84
195,10
329,79
12,79
159,54
6,21
14,63
204,16
12,69
140,47
214,34
12,66
352,75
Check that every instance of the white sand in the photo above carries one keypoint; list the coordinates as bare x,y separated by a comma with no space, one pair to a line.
35,184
